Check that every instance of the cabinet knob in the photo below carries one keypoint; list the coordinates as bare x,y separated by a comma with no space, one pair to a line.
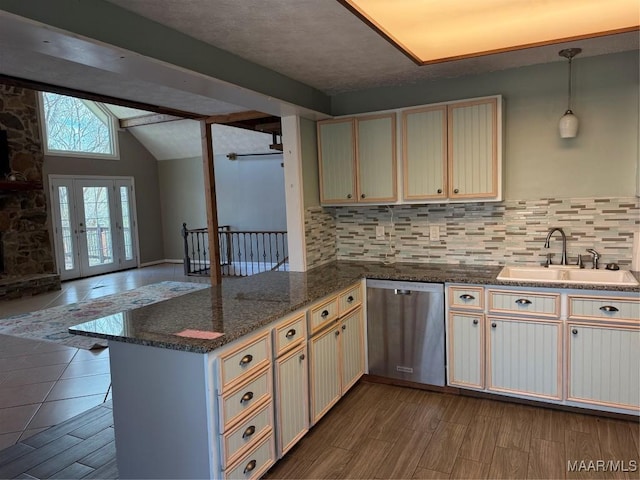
609,308
302,357
324,314
290,333
344,327
574,331
456,190
362,195
439,190
337,333
475,321
246,397
523,301
466,296
246,360
494,325
350,299
250,466
249,431
348,195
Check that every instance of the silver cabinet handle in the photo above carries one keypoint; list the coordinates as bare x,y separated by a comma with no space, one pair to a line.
324,314
249,431
246,360
523,301
475,321
290,333
250,466
609,308
246,397
466,296
399,291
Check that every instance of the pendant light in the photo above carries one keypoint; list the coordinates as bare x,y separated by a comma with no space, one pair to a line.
568,125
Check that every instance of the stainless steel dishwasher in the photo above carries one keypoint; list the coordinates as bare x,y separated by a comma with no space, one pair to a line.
405,322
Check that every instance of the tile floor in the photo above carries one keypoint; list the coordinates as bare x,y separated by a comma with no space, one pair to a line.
43,383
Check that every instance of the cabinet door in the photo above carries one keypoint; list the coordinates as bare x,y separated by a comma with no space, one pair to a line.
376,156
292,398
603,365
325,372
473,149
524,357
465,347
336,157
352,349
424,149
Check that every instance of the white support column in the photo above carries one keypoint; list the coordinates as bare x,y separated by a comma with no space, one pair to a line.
294,198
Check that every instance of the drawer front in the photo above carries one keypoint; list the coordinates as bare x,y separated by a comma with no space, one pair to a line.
323,314
349,299
236,441
604,308
256,462
290,333
245,399
467,298
525,303
245,359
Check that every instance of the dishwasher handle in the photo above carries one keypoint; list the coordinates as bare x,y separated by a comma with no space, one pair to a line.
401,291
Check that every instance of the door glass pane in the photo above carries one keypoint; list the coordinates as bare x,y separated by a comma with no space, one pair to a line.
126,223
98,225
65,221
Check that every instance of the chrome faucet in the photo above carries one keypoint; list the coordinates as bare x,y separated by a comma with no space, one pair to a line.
595,256
563,261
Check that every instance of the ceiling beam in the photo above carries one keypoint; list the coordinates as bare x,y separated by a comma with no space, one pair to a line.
236,117
72,92
147,120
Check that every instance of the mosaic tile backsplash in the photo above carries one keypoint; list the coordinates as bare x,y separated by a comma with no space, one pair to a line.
509,232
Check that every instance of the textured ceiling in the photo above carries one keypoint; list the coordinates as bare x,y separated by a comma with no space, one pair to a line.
320,43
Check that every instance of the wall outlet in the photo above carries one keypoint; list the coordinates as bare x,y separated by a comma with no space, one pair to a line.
434,232
380,232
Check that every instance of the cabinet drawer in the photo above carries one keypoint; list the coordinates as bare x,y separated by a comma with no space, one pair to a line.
244,399
289,333
604,308
256,462
349,299
525,303
236,441
467,298
323,314
245,359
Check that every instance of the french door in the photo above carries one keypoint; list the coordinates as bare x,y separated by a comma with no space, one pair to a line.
94,224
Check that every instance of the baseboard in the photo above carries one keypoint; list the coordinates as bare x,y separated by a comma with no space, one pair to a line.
158,262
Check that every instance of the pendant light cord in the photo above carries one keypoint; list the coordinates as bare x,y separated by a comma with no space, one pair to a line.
569,100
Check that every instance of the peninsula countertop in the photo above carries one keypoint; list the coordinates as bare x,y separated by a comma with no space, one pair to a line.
240,306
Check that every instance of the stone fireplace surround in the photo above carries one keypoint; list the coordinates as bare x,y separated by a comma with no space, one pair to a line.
27,254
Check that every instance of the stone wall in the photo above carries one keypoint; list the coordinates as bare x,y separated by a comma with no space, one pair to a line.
23,214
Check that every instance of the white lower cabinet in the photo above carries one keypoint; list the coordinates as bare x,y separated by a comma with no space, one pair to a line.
352,332
603,364
465,337
524,357
292,398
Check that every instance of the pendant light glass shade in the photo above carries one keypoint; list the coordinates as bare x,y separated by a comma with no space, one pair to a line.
568,125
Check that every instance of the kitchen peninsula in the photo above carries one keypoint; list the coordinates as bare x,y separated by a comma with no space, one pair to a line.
170,389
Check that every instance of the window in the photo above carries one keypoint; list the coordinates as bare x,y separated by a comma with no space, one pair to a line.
77,127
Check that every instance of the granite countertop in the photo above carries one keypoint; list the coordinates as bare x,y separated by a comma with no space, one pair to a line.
240,306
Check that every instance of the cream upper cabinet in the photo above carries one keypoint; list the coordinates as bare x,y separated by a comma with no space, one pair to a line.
424,148
357,160
336,157
473,149
376,158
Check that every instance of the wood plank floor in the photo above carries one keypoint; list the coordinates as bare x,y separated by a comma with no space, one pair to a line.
381,431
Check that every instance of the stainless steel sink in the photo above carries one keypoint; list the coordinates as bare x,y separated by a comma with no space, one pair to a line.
567,275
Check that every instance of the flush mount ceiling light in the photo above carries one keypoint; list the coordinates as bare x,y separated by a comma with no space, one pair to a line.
433,31
568,125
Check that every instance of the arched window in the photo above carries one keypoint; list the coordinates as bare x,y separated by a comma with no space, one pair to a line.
77,127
